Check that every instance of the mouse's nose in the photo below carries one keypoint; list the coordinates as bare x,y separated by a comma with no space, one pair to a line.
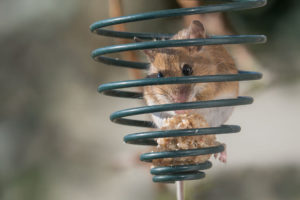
182,94
180,98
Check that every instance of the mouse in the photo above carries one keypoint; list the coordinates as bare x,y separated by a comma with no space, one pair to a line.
191,61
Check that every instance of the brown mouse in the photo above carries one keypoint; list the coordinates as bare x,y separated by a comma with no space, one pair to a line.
191,61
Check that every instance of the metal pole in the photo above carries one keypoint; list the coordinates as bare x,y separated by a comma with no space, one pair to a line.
180,190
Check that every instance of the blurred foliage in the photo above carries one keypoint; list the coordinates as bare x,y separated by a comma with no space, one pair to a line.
273,184
53,137
279,20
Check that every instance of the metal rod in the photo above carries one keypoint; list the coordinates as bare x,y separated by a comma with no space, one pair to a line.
180,190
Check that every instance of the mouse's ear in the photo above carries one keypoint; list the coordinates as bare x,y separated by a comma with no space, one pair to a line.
196,31
150,53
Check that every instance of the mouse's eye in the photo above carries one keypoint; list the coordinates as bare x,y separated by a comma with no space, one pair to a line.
187,70
160,75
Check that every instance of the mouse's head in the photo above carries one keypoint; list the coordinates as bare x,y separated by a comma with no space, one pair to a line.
182,61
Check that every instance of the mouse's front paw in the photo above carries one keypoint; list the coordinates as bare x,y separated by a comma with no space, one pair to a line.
222,155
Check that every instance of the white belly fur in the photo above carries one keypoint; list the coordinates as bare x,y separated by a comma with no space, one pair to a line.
214,116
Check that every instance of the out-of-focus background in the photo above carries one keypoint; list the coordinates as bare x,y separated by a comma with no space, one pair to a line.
56,140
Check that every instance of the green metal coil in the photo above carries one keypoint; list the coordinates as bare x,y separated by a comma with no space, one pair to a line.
180,172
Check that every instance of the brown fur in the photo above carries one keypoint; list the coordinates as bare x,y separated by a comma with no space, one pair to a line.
206,60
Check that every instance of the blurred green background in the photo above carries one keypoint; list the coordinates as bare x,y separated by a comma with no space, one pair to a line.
56,140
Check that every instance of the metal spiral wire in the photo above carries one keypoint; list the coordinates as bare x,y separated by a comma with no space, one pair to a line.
158,40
